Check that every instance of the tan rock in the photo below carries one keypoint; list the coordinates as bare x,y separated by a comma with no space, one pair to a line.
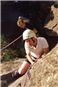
45,72
53,24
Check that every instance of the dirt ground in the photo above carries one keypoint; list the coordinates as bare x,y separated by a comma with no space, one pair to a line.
6,71
10,66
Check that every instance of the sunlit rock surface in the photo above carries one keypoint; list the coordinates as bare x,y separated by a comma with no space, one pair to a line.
45,72
53,24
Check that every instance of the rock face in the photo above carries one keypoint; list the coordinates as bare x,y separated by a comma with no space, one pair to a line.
45,72
52,25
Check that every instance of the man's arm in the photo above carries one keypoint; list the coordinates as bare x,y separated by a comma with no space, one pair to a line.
46,50
45,46
29,58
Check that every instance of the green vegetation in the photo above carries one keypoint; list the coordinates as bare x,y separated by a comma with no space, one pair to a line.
3,41
10,53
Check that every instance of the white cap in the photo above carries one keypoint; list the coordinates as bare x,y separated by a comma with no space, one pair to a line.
28,34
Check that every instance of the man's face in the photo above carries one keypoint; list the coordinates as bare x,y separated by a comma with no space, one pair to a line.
30,41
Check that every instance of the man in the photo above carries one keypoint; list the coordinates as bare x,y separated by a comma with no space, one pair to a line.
35,47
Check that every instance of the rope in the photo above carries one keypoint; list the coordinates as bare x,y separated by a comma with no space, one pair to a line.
11,43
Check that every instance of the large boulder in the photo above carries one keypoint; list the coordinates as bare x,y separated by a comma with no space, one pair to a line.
44,73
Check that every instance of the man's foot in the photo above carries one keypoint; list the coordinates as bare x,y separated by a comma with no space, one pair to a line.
15,75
